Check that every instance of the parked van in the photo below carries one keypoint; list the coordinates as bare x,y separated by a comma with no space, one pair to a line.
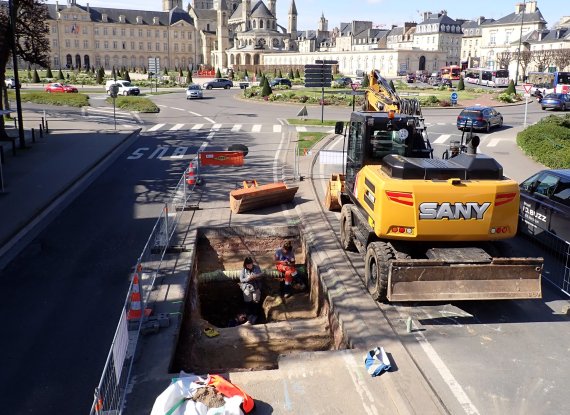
125,87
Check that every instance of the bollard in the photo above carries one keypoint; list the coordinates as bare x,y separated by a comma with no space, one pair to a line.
409,325
42,121
41,131
33,135
47,129
16,122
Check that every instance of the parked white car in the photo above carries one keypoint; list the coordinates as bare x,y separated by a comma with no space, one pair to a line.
10,83
125,87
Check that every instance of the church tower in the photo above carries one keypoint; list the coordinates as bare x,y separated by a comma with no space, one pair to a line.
292,27
168,5
323,24
222,35
272,9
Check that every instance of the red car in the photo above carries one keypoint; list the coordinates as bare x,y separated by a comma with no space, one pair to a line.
57,87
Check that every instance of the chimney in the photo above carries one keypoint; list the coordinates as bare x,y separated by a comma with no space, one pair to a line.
426,15
56,6
519,8
557,33
394,26
87,5
531,6
443,13
480,20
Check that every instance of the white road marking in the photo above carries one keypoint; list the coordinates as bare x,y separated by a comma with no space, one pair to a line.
301,129
211,135
128,126
494,141
177,127
210,120
256,128
160,105
197,126
203,146
236,128
216,127
109,112
138,117
194,113
156,127
178,109
441,123
442,139
277,128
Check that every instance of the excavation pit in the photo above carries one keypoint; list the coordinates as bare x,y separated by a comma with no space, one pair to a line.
212,340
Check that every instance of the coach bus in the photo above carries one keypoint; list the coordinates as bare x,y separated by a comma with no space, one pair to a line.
548,82
451,72
487,77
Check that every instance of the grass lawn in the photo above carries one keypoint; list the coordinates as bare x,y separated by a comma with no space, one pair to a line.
41,97
131,103
307,140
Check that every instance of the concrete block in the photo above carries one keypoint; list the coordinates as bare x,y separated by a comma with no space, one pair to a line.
150,327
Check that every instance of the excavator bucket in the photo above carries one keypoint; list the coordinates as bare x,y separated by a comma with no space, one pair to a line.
334,189
437,280
254,196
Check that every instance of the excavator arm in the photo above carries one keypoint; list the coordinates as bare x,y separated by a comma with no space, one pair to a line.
380,97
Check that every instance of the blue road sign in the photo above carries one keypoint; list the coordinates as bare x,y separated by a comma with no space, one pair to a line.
454,96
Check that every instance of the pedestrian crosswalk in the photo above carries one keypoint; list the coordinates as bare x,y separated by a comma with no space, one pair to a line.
234,128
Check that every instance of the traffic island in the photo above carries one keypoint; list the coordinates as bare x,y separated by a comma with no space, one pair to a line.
212,337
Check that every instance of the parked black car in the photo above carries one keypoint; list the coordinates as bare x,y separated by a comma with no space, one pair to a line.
545,207
218,83
280,81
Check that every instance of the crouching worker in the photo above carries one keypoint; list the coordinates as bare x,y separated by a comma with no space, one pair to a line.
250,281
285,264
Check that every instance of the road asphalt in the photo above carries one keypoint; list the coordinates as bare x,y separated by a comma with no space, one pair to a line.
40,180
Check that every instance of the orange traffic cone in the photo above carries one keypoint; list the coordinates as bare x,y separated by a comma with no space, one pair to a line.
135,310
191,175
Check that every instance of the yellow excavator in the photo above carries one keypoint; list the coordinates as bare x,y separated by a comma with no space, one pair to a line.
429,229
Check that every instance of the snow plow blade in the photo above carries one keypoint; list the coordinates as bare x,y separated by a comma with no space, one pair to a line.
254,196
437,280
334,190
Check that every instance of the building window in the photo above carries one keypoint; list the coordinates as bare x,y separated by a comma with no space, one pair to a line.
132,32
84,30
54,29
96,31
149,46
182,34
132,45
105,31
164,34
141,46
97,45
123,32
124,45
175,34
66,29
148,33
165,47
508,36
176,47
189,35
85,44
157,47
140,32
114,32
54,43
183,47
106,44
114,44
67,43
157,33
56,61
492,38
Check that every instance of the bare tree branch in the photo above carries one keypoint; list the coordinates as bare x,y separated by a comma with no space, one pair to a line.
504,58
542,58
561,58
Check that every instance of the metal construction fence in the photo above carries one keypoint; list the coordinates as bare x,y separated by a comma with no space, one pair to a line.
557,261
110,393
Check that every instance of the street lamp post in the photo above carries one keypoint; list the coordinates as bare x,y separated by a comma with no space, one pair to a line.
520,43
12,11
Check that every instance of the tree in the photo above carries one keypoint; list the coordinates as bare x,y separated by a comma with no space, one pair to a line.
113,73
297,75
60,76
36,77
280,74
126,75
291,75
543,58
265,88
524,59
246,75
189,77
100,76
180,73
504,58
218,73
511,88
48,73
561,58
461,84
275,72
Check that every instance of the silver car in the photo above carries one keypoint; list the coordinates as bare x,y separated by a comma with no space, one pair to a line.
194,91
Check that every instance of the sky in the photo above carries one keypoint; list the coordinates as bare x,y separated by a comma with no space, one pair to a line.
383,13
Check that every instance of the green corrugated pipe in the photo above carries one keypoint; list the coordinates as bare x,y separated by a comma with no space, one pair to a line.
233,274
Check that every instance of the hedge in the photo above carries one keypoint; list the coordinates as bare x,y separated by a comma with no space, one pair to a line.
130,103
548,141
72,100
